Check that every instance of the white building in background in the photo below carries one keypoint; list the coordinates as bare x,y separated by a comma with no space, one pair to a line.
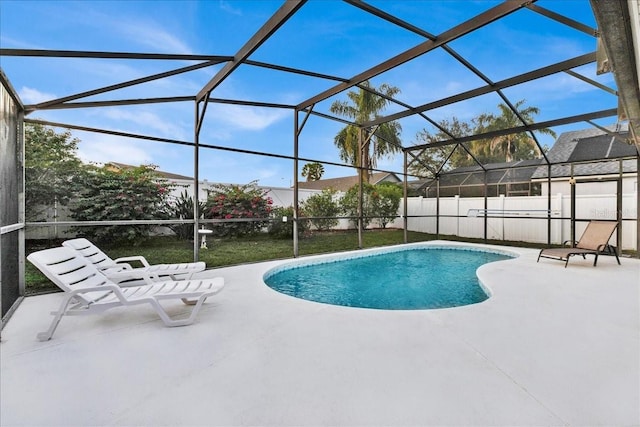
595,155
281,196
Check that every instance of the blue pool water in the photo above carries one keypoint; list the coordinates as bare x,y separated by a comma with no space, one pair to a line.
402,280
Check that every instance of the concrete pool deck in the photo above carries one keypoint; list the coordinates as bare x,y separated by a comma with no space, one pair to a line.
552,346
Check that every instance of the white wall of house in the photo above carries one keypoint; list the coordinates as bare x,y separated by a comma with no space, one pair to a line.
281,196
561,185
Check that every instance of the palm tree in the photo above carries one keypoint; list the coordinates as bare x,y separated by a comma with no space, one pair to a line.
515,146
364,107
313,171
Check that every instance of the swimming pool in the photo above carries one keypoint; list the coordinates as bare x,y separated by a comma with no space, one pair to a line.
413,278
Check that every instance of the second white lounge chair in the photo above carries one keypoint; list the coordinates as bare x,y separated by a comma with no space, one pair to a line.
88,291
120,269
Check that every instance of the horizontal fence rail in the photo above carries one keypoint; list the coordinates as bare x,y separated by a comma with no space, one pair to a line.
521,218
518,219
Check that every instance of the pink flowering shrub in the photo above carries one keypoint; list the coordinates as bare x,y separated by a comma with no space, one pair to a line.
245,208
103,194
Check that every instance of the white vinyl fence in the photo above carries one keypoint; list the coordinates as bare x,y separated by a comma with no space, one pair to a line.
464,217
520,219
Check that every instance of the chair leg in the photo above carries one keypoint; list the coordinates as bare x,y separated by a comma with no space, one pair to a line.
46,335
595,260
179,322
615,252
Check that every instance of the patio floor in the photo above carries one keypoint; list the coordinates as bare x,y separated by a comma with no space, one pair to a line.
552,346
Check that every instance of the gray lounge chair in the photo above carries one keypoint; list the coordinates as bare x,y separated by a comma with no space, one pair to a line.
594,241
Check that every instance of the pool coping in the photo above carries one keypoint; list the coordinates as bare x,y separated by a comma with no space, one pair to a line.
369,252
362,253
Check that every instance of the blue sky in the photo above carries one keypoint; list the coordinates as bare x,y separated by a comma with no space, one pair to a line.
325,36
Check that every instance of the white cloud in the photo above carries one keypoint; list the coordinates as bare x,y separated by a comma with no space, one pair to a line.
149,120
246,118
453,87
106,148
266,173
17,43
219,134
157,38
150,34
393,163
226,6
107,71
34,96
561,85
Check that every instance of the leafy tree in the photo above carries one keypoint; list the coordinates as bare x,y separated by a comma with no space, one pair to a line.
51,164
249,202
313,171
181,207
386,201
324,207
284,230
430,160
505,148
366,106
379,202
128,194
349,203
516,146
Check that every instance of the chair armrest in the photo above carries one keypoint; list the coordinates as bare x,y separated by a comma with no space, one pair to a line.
132,274
138,258
116,267
606,247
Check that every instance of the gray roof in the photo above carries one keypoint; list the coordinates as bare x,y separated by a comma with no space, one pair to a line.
161,174
346,182
594,146
598,149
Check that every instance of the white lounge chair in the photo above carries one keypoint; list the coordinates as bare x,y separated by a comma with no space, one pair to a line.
88,291
120,269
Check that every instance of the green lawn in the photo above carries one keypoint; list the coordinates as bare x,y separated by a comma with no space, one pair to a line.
226,252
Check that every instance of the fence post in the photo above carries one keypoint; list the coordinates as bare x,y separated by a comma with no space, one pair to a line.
559,233
502,203
457,199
